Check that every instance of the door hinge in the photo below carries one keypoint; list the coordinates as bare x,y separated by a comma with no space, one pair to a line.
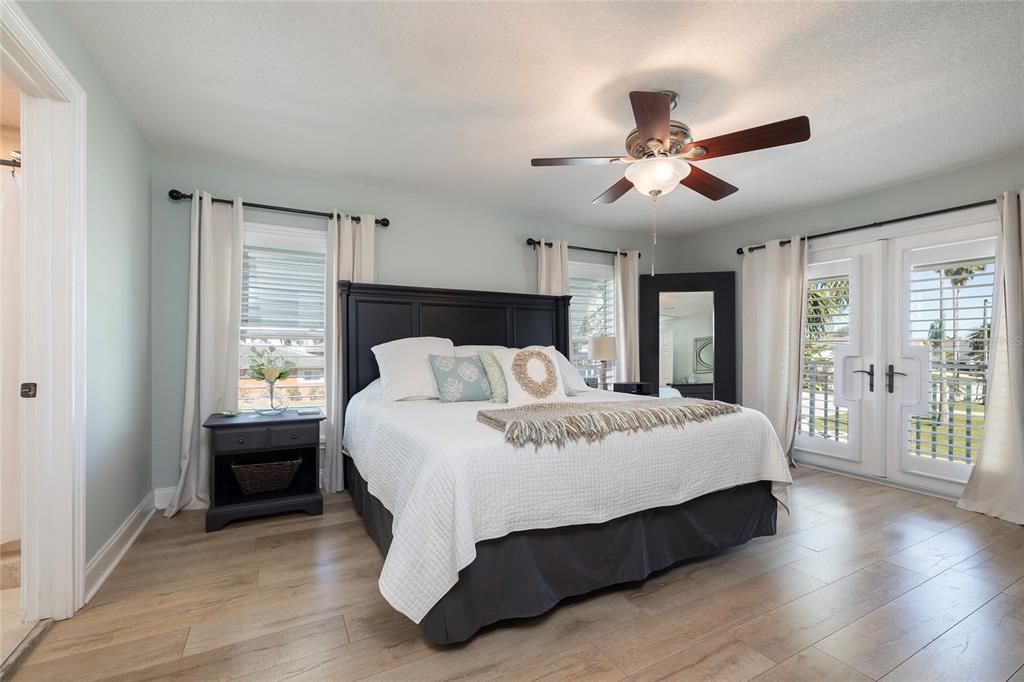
28,390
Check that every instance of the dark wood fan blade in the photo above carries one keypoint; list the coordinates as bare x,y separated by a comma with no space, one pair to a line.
705,183
651,111
776,134
576,161
614,192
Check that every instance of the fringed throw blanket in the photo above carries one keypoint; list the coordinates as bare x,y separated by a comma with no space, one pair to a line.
557,423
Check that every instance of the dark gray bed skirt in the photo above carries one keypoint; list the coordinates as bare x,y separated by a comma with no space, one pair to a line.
527,573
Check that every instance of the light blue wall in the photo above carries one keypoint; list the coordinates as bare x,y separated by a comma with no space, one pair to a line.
715,249
118,470
437,242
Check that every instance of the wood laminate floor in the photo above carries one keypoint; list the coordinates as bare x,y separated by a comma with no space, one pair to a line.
12,630
863,582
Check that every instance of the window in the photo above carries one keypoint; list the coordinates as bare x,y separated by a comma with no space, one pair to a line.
283,273
828,325
591,313
951,313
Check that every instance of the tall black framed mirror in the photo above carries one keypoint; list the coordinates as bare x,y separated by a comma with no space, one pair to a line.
688,333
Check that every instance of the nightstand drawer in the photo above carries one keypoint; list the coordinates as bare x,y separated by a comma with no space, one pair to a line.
300,434
237,440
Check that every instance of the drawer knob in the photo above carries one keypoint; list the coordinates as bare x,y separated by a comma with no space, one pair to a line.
294,436
241,441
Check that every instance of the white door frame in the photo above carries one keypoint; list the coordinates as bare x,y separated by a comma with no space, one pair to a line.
53,223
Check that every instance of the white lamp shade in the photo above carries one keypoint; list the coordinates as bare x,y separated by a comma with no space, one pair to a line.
657,176
602,348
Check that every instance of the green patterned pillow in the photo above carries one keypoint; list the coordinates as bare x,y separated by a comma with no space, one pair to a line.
460,379
495,376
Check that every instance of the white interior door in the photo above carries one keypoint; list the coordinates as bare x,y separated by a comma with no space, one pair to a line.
840,403
942,286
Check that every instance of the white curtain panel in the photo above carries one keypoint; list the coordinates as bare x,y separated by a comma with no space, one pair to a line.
996,486
774,293
553,268
351,256
627,316
211,363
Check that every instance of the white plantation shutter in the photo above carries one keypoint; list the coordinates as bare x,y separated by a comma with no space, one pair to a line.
827,325
951,313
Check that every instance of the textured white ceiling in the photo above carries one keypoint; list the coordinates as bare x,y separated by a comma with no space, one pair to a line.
456,98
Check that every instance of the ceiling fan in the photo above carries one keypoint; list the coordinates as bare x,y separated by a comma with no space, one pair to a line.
660,151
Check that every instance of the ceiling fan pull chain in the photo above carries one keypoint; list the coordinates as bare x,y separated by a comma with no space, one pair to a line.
654,230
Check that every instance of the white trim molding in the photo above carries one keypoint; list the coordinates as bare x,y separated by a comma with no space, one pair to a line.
117,545
53,233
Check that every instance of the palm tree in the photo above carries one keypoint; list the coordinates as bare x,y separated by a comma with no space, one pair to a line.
958,276
828,305
977,342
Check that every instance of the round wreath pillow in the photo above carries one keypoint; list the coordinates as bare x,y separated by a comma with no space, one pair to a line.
521,372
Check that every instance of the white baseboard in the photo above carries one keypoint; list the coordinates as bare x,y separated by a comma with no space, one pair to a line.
113,550
162,497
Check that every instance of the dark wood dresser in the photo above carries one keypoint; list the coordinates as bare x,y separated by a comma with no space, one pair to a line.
263,465
705,391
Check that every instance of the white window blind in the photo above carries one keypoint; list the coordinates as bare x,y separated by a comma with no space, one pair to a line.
951,312
591,313
827,325
283,273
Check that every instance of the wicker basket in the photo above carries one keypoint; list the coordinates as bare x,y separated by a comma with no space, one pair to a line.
266,477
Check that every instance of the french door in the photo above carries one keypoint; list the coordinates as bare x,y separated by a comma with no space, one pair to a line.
840,404
896,356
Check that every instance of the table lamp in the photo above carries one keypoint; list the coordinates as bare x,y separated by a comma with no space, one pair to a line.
602,348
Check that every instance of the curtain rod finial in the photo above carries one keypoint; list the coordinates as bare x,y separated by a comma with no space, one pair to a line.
176,195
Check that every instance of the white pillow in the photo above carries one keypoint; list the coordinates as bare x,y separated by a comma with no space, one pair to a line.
571,379
531,374
404,364
574,383
470,351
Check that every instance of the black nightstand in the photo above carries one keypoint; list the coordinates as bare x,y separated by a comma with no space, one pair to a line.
703,391
634,387
263,465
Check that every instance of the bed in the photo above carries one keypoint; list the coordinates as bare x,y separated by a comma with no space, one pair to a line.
475,531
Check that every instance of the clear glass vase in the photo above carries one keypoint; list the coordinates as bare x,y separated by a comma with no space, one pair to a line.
272,401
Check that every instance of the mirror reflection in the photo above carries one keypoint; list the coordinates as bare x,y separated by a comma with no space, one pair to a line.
687,347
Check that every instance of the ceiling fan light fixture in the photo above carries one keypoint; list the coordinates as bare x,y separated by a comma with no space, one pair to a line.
657,176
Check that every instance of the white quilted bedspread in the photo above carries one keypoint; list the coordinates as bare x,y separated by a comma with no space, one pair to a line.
450,481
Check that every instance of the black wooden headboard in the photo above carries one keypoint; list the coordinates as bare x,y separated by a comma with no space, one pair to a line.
377,313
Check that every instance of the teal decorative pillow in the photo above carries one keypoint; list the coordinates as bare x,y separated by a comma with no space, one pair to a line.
460,379
495,376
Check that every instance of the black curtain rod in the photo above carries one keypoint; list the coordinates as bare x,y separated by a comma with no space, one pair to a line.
12,163
536,242
880,223
178,195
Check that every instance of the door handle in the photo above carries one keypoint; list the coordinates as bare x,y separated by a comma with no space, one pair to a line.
870,371
890,374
